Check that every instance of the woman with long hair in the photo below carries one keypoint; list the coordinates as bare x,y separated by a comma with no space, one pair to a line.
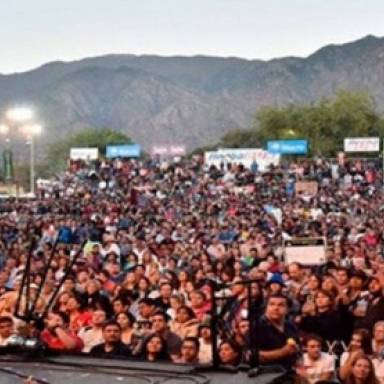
309,289
126,321
183,277
155,349
78,317
360,344
362,371
143,287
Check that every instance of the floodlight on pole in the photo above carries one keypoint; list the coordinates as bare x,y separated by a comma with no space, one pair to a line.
20,114
4,129
32,130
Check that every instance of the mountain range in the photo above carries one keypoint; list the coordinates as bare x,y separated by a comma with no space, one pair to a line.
186,100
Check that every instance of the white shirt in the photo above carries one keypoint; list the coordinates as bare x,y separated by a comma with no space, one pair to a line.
314,369
4,341
205,352
91,337
379,369
344,357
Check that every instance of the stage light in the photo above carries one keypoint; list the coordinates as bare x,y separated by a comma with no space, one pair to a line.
20,114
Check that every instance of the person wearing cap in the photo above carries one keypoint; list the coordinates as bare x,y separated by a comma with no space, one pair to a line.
275,285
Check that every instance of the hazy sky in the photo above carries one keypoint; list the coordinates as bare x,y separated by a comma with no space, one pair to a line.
34,32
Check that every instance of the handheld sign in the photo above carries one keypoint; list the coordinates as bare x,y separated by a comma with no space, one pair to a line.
305,250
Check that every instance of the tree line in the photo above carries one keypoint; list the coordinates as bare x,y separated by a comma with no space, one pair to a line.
324,123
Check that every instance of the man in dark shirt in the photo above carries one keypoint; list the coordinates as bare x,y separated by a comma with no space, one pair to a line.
275,338
113,346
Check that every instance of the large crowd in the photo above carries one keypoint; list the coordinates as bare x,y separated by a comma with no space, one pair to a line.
159,243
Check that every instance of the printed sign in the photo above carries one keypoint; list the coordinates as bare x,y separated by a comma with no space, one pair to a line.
127,150
159,150
362,144
288,147
305,251
168,150
177,150
245,157
84,153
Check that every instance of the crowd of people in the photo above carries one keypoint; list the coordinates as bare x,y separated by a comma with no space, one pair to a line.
163,249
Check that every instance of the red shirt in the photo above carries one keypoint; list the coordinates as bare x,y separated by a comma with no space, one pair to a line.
53,342
83,319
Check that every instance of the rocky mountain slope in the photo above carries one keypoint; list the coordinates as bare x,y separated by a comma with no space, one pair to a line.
186,100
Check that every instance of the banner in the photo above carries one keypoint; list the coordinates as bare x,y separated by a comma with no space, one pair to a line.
362,144
305,251
158,150
126,150
246,157
177,150
168,150
84,153
288,147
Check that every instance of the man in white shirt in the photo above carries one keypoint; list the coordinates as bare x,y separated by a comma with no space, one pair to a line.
93,335
316,365
205,344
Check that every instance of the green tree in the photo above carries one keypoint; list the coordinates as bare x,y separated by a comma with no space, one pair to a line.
240,139
324,123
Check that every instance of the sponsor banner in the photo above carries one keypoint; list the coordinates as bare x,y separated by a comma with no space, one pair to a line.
84,153
362,144
306,188
177,150
126,150
159,150
245,157
169,150
288,147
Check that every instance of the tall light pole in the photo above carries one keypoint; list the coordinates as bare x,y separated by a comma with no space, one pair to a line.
4,129
23,117
32,130
20,114
7,154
